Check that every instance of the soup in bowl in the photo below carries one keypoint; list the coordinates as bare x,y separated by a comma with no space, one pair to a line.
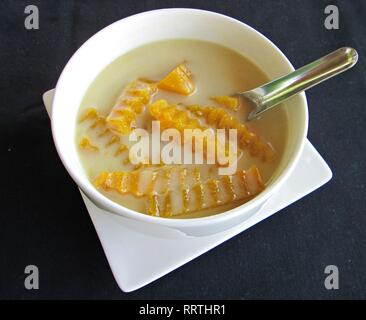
180,69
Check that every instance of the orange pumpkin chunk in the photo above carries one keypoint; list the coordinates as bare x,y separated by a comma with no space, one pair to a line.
228,102
221,119
170,116
179,81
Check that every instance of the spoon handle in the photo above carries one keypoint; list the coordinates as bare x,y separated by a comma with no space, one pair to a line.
279,90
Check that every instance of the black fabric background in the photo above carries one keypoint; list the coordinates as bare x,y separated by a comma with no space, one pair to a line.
42,217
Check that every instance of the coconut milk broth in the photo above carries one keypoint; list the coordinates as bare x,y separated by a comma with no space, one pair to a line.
217,71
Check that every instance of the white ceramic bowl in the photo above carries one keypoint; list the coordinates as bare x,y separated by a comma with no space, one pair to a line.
135,31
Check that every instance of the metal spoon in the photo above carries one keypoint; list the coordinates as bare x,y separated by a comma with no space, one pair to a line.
279,90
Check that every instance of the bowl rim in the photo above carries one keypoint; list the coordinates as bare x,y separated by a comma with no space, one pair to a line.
87,187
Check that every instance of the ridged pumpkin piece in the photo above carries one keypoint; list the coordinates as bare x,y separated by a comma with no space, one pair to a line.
176,197
246,139
132,101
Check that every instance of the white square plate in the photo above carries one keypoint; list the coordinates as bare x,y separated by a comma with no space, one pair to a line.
139,254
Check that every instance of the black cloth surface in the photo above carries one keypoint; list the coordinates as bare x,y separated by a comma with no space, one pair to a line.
43,220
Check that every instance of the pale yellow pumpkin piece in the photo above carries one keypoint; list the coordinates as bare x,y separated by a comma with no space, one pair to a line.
85,144
91,113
